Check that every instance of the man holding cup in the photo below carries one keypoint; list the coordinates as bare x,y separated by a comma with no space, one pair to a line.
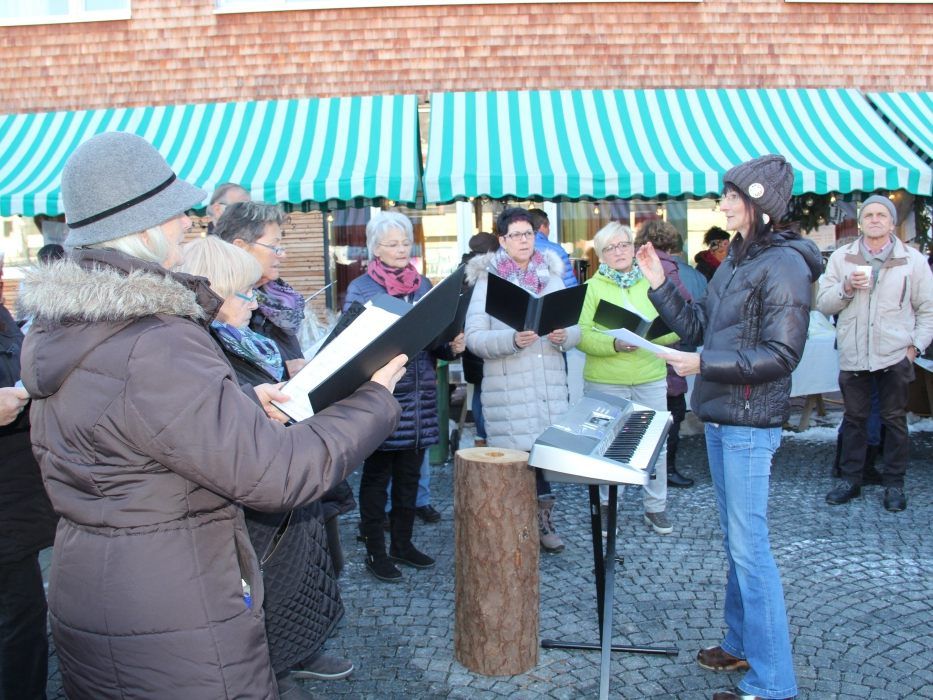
882,291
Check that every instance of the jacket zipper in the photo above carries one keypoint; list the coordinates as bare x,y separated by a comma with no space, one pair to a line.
748,394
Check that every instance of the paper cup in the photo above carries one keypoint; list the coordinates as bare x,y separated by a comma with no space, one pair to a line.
866,270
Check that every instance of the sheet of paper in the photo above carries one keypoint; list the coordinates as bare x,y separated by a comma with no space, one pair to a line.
364,330
626,336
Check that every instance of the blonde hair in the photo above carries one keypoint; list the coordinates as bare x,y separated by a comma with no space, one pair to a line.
607,233
135,244
229,269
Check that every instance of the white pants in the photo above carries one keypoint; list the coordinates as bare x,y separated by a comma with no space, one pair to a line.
654,396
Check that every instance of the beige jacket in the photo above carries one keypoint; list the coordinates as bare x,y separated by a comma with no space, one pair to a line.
876,327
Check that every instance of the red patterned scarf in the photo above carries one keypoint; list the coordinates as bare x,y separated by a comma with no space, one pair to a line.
399,282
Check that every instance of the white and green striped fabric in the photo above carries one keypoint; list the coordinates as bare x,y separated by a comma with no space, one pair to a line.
911,113
324,151
578,144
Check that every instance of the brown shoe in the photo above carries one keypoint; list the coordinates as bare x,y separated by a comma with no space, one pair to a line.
715,659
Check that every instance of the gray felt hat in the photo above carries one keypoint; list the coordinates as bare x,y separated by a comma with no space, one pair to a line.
883,201
767,181
116,184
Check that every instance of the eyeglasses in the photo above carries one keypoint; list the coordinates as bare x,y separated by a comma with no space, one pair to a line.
276,249
618,247
520,235
394,245
248,298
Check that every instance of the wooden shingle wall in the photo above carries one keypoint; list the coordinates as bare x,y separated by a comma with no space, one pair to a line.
176,52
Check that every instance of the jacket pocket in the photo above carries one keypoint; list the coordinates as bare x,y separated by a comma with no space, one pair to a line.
249,567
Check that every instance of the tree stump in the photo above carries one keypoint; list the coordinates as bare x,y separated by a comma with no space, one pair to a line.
496,580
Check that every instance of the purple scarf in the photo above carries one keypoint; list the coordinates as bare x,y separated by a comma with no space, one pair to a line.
534,278
282,305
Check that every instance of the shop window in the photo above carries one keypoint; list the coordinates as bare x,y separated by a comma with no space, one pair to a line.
15,12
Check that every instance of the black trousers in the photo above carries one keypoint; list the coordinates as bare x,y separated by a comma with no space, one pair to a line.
403,467
892,383
677,405
24,642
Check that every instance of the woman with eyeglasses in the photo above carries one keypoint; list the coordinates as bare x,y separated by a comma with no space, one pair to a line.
389,237
615,367
280,309
524,375
302,598
752,325
717,248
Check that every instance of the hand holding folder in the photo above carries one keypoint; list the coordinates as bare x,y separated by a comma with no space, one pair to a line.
524,311
615,317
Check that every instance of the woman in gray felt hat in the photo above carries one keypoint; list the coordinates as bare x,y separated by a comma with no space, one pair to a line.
752,325
148,446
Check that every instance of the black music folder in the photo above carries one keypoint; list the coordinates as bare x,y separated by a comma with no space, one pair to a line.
387,327
524,311
613,316
458,324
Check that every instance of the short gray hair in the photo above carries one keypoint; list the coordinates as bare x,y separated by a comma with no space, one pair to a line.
607,233
247,221
229,269
381,224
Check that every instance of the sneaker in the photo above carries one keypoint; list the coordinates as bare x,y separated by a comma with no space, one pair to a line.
410,556
659,522
479,442
428,513
550,540
383,569
843,493
291,689
323,667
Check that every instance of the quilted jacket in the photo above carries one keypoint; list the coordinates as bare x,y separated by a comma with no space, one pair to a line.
524,391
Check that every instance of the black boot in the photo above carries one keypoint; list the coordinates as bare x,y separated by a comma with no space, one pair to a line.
677,480
843,493
402,550
378,564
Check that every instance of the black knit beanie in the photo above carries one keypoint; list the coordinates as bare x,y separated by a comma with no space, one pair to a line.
767,181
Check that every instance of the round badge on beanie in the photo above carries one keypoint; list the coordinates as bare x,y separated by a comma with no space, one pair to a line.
768,181
116,184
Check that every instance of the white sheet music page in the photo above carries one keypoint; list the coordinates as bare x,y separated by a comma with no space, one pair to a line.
365,329
626,336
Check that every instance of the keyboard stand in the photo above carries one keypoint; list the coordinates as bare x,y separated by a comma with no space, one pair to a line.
605,569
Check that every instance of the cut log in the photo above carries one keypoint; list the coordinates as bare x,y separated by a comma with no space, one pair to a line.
496,581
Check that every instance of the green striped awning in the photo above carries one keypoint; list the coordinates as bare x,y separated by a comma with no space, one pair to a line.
600,144
910,113
322,151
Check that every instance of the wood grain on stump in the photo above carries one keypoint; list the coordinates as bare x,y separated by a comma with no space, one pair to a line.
496,540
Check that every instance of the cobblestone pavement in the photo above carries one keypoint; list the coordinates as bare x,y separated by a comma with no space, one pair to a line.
857,580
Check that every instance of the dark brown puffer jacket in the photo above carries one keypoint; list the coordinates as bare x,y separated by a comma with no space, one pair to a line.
148,447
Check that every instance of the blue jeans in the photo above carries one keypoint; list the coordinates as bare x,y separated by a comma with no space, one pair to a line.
756,620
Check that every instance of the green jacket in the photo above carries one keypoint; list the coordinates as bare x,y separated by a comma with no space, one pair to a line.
603,364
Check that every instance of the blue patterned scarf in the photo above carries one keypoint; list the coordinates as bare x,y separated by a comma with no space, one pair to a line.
623,279
253,347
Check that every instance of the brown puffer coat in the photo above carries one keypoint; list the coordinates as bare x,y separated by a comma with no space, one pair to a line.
147,445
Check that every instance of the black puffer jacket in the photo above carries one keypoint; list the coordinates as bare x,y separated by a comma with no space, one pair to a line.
27,523
752,324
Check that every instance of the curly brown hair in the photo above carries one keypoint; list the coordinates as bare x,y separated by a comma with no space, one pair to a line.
661,234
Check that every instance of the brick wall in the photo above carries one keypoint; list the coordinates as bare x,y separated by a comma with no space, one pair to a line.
174,52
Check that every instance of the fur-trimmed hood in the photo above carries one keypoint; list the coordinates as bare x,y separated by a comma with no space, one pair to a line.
79,303
477,268
106,286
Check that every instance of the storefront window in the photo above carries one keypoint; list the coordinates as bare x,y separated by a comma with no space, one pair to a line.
14,12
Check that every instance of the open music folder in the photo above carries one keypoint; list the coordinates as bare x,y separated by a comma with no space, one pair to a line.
385,328
524,311
615,317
